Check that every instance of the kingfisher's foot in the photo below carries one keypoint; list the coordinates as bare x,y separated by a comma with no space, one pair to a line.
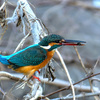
34,77
38,71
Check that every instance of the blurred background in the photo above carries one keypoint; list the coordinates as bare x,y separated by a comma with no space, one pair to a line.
73,19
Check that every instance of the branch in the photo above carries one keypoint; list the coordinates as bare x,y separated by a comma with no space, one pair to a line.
62,83
6,76
80,59
66,88
57,82
96,97
67,73
78,96
3,5
22,42
83,5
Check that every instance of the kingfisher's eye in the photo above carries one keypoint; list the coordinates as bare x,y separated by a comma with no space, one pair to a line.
57,41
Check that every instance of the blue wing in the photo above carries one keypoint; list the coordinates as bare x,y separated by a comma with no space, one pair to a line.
30,56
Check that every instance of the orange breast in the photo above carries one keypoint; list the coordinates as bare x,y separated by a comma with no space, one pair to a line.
27,69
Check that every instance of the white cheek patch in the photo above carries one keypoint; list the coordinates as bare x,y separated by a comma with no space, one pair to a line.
46,47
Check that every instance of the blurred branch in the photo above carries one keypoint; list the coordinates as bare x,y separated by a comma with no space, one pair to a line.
95,79
96,64
66,88
3,5
62,83
1,90
96,97
82,4
78,96
80,60
22,42
6,76
57,82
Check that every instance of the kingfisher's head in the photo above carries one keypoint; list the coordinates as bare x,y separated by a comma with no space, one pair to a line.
54,41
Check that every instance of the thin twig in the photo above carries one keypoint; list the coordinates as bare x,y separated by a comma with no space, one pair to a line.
96,97
67,73
80,60
22,42
95,79
96,63
8,75
66,88
78,96
2,91
3,5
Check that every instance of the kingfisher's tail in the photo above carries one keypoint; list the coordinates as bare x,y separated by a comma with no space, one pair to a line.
4,60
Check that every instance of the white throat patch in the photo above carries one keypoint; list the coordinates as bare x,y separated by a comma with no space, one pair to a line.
46,47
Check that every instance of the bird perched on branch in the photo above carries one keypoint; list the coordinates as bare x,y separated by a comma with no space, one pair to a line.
36,56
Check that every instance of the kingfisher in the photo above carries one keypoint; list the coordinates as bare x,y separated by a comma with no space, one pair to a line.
35,57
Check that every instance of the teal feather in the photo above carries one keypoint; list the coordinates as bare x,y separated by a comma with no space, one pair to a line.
51,38
32,55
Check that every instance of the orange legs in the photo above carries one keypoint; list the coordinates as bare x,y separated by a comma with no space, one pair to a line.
34,77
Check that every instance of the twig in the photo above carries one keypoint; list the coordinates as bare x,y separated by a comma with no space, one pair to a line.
3,5
66,88
78,96
95,79
62,83
96,98
2,91
4,75
22,42
80,59
92,70
96,63
67,73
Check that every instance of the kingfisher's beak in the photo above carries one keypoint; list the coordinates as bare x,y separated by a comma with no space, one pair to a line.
72,42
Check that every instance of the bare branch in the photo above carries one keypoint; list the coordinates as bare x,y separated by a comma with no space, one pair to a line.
67,73
83,5
57,82
96,97
80,60
95,79
66,88
22,42
3,5
1,90
78,96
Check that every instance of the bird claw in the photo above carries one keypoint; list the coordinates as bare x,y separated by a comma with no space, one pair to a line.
34,77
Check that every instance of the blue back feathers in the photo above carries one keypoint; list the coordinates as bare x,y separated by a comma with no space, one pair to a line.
32,55
3,60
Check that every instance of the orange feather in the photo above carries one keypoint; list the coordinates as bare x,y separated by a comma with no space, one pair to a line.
29,70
